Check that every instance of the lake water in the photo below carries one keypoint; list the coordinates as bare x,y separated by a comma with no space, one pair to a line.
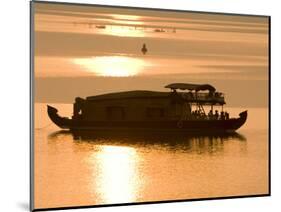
76,170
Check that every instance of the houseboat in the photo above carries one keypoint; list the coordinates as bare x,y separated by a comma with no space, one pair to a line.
181,109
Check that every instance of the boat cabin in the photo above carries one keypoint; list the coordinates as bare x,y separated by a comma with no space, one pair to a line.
142,105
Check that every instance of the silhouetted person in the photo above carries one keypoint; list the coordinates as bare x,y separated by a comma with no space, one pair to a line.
210,114
175,97
216,94
144,49
222,115
216,115
211,94
226,115
197,114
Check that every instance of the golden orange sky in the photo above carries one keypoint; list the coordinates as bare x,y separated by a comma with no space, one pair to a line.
80,41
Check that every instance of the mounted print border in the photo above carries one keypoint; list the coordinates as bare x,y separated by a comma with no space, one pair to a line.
135,105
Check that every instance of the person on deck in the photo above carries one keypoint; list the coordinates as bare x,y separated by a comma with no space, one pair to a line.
210,114
226,115
222,115
216,115
197,114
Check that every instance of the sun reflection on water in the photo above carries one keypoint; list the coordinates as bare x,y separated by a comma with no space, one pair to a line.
125,31
117,181
112,66
126,17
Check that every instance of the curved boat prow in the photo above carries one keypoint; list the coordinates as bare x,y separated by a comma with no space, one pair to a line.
243,116
52,110
61,122
242,119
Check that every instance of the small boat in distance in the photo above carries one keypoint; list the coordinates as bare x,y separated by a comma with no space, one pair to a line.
144,49
159,30
152,110
100,26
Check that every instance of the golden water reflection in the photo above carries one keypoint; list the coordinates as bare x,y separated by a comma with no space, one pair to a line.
126,17
117,181
113,66
124,31
94,168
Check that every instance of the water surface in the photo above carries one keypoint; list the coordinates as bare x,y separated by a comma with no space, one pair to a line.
99,168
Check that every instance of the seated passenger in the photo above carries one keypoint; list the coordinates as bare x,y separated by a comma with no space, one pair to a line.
222,115
211,94
216,115
210,114
195,114
216,94
204,116
226,115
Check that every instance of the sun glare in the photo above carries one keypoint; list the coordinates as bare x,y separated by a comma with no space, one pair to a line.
125,31
126,17
112,66
117,177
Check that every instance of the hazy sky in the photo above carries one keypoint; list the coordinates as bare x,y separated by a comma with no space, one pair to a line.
81,51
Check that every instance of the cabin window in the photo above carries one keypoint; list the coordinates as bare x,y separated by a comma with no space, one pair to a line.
115,113
155,112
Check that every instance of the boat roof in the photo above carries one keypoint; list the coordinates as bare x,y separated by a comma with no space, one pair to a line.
129,95
144,94
188,86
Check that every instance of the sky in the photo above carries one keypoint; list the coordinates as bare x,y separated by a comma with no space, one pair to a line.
84,51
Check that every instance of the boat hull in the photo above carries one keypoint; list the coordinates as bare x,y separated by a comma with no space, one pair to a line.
229,125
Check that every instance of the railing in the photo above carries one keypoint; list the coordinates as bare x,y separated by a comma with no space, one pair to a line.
203,97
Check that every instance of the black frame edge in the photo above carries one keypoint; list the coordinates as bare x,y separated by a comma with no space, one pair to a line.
31,105
269,105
